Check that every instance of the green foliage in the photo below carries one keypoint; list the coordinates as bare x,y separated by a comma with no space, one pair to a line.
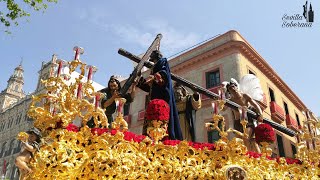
15,10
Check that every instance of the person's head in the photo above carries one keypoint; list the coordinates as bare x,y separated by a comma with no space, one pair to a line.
155,56
34,135
114,84
232,87
179,92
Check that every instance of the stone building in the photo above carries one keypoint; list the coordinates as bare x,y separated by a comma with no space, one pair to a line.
14,104
220,59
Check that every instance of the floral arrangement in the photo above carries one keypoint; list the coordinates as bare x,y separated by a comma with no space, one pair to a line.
158,109
264,133
72,127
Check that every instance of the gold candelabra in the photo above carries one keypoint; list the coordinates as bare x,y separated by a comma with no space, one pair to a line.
65,100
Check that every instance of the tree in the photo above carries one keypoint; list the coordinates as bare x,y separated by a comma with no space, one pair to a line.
14,10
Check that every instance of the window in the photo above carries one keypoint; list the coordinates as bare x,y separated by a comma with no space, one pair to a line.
271,93
250,72
298,120
294,150
3,149
212,79
286,107
280,146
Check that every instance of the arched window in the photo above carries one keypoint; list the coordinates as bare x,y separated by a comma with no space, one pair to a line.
9,148
16,88
2,149
15,145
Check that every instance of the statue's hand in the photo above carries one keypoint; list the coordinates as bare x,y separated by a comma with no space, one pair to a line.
260,118
196,96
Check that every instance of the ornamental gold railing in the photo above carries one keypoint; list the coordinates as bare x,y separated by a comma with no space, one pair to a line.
67,154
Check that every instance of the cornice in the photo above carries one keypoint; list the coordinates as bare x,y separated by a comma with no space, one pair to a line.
244,48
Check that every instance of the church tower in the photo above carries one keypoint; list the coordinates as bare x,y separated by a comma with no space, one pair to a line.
45,72
14,91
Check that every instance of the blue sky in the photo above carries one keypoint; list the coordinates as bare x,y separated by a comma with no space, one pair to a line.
102,27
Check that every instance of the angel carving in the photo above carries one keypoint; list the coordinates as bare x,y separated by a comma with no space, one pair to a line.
246,93
30,141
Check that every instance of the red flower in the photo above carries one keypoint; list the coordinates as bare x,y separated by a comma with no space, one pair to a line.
72,127
158,109
253,154
99,131
264,133
171,142
113,132
138,138
291,160
128,136
201,146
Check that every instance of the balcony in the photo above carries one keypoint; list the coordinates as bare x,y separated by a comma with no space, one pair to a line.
277,113
291,123
213,89
264,103
141,115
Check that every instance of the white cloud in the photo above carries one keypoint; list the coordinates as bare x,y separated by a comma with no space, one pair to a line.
144,32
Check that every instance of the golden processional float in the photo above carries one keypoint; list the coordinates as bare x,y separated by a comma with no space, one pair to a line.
71,152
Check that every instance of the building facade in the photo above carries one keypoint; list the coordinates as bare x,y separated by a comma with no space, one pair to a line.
220,59
14,104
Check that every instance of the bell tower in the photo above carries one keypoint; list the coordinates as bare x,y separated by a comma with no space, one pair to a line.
14,90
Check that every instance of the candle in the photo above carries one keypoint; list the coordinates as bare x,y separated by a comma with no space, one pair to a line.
79,95
90,73
59,68
244,113
222,95
120,105
54,111
96,104
76,57
215,107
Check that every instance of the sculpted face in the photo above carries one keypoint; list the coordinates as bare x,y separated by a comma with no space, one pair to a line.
179,94
233,89
113,86
32,137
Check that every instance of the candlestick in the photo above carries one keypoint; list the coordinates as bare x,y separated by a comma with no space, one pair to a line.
79,92
97,100
78,51
54,111
59,68
90,74
76,56
222,95
215,107
244,113
120,106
